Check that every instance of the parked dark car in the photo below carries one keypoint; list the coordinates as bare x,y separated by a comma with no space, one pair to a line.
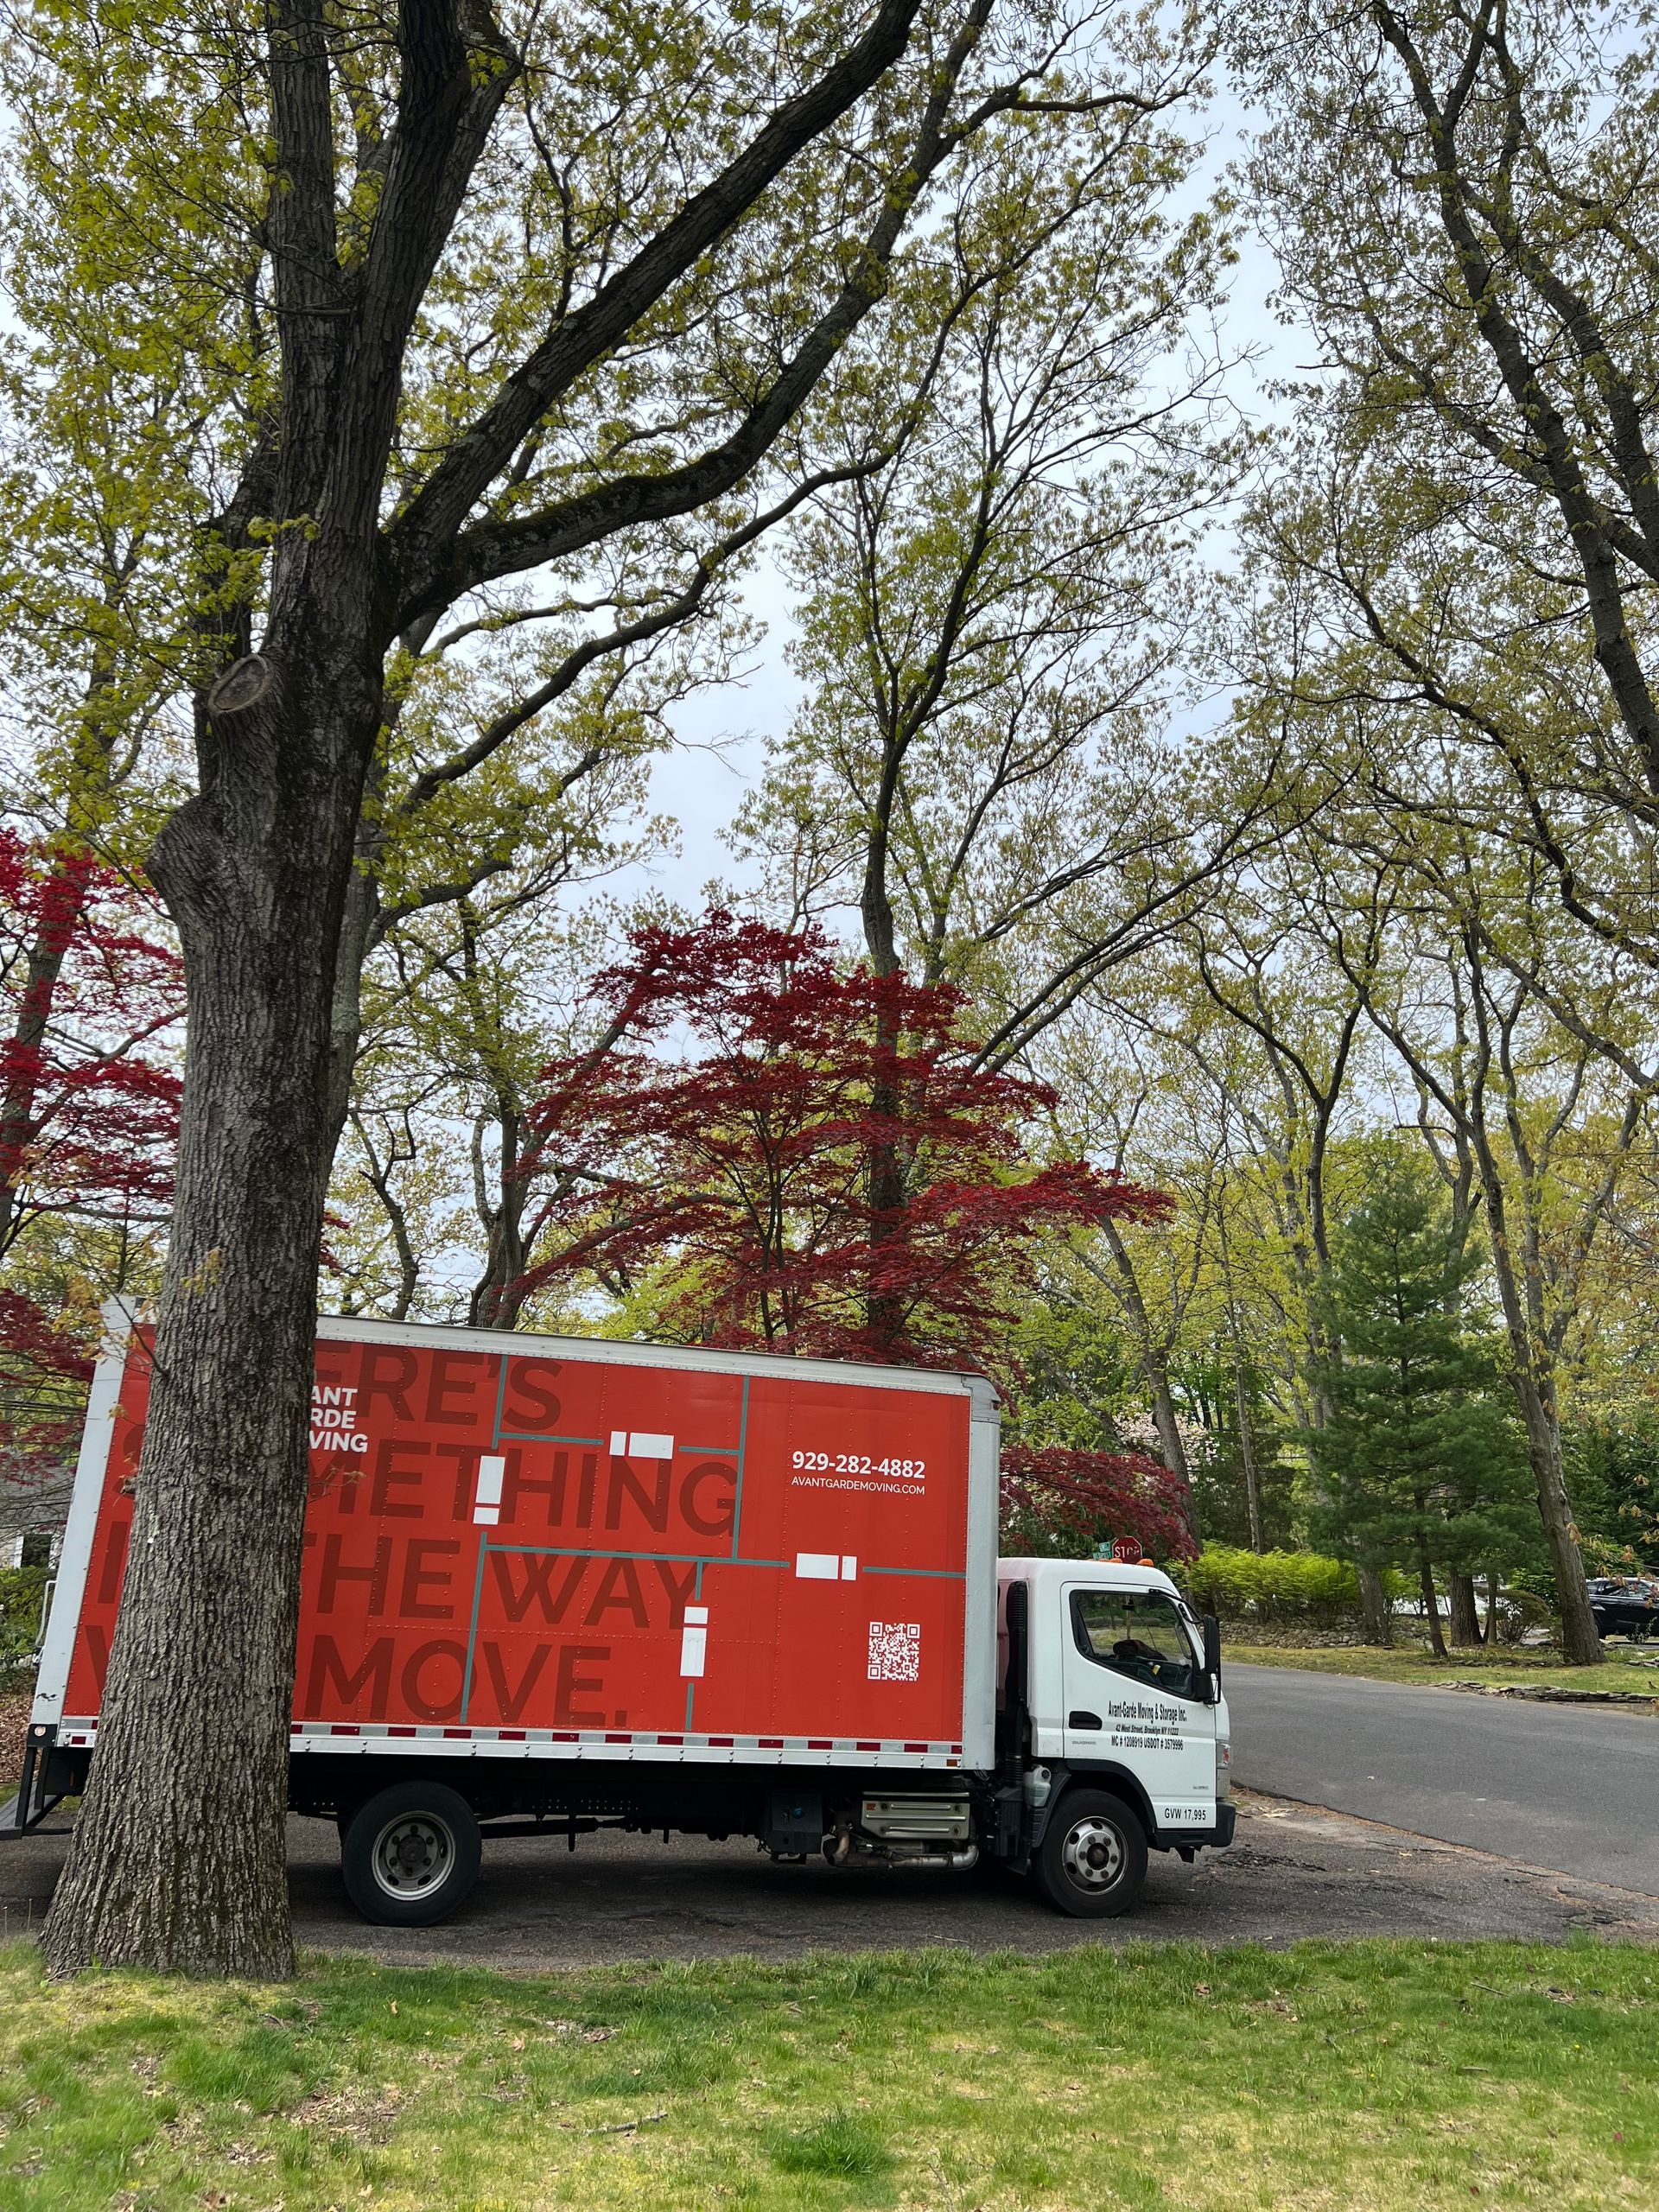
1625,1608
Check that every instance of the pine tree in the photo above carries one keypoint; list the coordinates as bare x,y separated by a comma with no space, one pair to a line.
1421,1463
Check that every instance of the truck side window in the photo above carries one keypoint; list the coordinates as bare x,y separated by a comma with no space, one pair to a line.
1138,1633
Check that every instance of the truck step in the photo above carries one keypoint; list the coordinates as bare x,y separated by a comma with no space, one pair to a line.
9,1831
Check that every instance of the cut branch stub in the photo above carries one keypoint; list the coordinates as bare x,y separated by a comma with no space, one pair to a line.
242,684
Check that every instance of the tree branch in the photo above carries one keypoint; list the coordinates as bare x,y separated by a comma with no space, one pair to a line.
422,537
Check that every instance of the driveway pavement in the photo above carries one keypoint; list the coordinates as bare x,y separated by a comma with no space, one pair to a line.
1292,1872
1421,1813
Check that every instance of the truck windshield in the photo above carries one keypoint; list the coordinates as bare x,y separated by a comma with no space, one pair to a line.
1138,1633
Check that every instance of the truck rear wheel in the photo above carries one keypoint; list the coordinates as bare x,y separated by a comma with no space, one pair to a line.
411,1855
1092,1860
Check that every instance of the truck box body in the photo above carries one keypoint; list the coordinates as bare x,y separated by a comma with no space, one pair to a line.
541,1549
551,1585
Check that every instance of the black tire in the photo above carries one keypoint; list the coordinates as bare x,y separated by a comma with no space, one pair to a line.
1092,1859
411,1855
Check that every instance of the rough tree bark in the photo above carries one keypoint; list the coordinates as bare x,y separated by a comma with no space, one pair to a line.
1431,1600
1466,1613
1152,1357
178,1859
498,1296
1376,1614
1532,1378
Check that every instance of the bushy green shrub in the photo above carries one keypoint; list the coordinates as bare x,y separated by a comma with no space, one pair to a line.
21,1590
1237,1585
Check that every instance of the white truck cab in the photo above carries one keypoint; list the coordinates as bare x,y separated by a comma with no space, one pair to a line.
1111,1714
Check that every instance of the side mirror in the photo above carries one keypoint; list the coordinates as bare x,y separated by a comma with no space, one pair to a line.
1212,1655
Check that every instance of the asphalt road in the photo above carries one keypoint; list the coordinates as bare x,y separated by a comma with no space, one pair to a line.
1573,1787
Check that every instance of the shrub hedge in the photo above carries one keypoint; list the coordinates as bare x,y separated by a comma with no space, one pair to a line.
1237,1585
21,1590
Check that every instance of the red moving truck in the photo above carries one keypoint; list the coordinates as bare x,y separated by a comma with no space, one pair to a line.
553,1584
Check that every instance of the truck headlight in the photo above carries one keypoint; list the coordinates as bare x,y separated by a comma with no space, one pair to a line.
1223,1768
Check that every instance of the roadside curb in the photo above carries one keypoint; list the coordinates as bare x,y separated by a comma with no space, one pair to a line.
1551,1696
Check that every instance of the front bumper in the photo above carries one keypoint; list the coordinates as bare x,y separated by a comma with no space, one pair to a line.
1187,1840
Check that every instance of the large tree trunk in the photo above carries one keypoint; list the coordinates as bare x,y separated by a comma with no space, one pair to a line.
1171,1444
1375,1613
1580,1640
1431,1601
177,1861
1534,1388
361,911
1465,1614
1150,1354
499,1296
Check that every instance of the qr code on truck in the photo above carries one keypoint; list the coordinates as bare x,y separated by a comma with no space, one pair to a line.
895,1651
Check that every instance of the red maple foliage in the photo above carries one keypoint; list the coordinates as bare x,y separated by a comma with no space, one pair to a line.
88,1119
88,1110
729,1125
1072,1502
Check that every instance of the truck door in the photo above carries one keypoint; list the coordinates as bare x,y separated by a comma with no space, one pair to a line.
1132,1694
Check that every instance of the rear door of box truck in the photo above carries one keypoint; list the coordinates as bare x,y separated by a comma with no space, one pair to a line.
558,1547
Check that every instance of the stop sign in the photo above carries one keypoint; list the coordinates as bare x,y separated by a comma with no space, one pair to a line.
1127,1550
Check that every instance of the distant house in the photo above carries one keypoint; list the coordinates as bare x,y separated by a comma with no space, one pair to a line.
34,1506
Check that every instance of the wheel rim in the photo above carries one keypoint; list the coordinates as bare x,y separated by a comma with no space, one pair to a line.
412,1855
1092,1854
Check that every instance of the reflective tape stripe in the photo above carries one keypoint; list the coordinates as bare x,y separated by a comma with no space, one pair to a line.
368,1734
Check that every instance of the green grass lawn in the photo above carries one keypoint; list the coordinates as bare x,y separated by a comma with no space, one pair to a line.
1395,2077
1412,1662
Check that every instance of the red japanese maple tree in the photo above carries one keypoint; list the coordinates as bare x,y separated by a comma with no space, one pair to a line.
88,1109
1054,1499
729,1125
88,1113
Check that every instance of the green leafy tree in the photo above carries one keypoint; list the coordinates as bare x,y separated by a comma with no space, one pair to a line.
1243,1483
1616,1467
1077,1375
1462,201
1422,1466
435,316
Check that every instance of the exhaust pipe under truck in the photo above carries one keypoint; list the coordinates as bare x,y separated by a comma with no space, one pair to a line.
552,1585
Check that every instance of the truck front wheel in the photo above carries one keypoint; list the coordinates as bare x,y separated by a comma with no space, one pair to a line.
1092,1859
411,1855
